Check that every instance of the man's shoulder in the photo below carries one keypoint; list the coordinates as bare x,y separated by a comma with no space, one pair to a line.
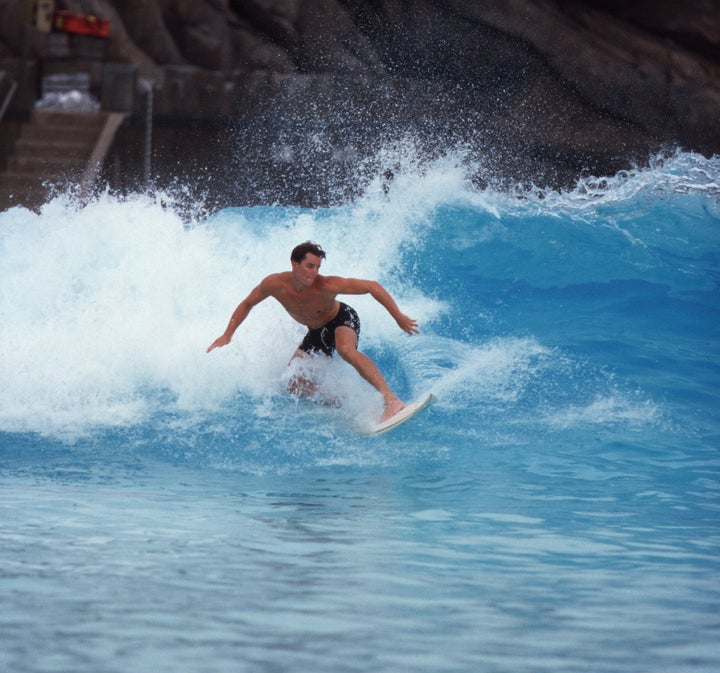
342,285
276,280
270,286
331,281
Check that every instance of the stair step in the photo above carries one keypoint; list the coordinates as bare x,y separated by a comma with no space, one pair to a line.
31,147
53,148
49,134
17,189
31,197
89,120
44,165
28,190
12,181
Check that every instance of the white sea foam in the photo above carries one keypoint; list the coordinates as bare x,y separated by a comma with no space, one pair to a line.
606,411
108,306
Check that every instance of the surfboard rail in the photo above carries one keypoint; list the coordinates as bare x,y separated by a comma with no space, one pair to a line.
405,414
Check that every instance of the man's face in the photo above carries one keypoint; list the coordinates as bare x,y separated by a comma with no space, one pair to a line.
306,272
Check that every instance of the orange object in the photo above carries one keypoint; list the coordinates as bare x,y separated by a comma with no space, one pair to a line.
80,24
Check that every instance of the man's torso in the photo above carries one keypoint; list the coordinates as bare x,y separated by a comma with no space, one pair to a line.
313,307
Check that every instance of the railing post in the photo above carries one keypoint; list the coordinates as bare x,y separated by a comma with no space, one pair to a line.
147,86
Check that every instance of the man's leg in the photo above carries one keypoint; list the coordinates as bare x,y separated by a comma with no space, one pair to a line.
301,385
346,346
298,384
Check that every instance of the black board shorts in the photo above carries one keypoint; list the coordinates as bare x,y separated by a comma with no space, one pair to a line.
322,339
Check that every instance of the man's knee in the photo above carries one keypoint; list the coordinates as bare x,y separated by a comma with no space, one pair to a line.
346,343
346,351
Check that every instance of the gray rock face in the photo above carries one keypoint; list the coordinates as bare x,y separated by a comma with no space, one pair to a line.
550,89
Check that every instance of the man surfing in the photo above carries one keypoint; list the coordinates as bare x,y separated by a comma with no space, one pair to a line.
311,299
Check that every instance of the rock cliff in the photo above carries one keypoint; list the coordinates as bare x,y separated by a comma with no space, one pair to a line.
544,90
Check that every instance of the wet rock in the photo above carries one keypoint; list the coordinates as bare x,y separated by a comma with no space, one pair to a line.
549,89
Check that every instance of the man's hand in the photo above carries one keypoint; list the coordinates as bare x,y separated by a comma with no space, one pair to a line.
220,341
407,324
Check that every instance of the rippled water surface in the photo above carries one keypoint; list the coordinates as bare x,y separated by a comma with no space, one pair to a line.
556,509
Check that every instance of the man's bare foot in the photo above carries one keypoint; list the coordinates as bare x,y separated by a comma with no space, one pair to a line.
391,408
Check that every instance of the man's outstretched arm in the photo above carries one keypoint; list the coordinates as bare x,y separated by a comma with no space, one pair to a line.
240,313
381,295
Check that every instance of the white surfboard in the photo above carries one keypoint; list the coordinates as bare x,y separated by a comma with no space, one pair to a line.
405,414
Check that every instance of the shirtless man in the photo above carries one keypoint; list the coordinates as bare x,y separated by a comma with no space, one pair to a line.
311,300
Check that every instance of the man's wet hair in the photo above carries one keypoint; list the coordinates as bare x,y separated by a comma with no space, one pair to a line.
299,251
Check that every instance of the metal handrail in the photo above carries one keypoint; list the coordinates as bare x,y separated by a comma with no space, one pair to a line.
8,98
113,120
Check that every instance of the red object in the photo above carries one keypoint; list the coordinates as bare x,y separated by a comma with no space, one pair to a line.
81,24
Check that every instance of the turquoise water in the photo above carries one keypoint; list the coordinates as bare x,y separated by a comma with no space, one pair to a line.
556,509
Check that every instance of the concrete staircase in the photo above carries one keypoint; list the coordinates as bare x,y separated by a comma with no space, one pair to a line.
54,149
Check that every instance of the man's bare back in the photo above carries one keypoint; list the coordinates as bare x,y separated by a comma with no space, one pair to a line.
311,299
